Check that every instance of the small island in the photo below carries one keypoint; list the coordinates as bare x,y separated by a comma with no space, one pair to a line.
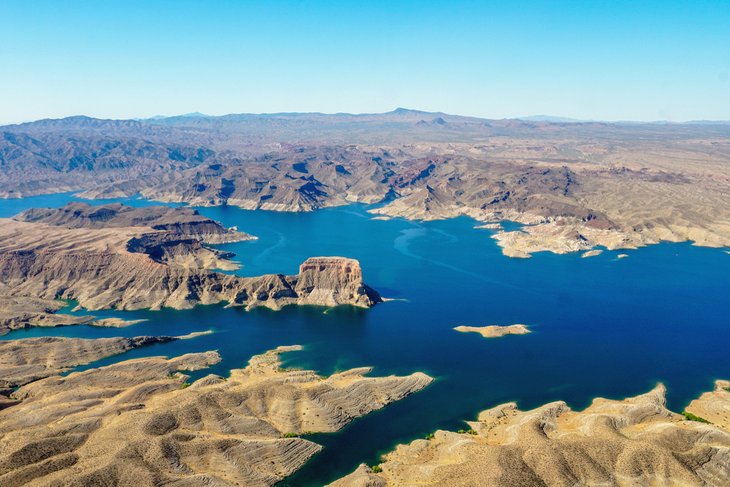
592,253
495,331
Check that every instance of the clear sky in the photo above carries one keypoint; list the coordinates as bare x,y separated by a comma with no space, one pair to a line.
609,60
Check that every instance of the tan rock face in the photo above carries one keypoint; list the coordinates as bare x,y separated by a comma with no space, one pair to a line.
363,476
333,280
634,442
136,423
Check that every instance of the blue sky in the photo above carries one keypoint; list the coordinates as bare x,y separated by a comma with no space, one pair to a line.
610,60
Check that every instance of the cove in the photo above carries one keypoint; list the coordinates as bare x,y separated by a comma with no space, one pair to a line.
601,326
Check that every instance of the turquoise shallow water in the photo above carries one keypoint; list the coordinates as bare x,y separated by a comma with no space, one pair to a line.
602,326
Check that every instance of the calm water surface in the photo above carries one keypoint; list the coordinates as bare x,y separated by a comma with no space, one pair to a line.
601,326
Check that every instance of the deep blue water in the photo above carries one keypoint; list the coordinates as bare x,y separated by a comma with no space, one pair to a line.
601,326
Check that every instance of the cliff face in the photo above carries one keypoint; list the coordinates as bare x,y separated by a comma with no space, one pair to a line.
633,442
136,423
97,268
331,281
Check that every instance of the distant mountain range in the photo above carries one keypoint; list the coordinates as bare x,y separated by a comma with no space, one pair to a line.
399,115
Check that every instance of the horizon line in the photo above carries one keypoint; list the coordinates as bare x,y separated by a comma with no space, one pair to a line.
527,118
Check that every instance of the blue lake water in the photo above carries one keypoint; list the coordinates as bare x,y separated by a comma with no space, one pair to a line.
602,326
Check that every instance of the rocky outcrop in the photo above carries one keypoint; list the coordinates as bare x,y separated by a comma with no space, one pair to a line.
624,443
495,331
332,280
30,359
98,269
137,422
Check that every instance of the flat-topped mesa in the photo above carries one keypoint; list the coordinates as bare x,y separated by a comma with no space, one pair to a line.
332,281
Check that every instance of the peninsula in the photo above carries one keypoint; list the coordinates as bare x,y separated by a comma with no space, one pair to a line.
152,257
140,422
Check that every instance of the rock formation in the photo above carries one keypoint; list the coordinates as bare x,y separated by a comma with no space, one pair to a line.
138,267
138,423
495,331
591,253
624,443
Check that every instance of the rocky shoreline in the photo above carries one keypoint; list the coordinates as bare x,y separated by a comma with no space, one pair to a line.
637,441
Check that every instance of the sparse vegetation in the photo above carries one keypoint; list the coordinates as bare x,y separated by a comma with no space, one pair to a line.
290,434
693,417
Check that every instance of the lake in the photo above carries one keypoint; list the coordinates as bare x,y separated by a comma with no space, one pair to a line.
602,326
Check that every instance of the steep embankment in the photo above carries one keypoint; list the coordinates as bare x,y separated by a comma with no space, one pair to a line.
137,423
